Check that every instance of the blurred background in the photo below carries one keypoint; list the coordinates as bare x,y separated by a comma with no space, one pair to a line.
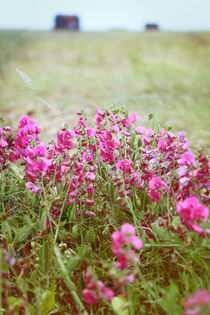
58,57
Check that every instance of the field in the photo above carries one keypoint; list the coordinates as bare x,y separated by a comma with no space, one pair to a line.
103,200
163,73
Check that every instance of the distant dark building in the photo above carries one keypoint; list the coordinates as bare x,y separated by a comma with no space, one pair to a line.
68,22
151,27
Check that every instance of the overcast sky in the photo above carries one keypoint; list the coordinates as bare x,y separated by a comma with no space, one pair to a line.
107,14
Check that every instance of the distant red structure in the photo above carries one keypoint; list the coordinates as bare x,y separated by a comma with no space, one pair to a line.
151,27
68,22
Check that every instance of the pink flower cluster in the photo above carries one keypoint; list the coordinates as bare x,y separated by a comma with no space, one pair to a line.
198,304
156,186
95,289
192,213
130,158
124,242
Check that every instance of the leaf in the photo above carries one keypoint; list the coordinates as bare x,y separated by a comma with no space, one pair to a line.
120,305
139,143
44,257
47,302
6,231
169,301
150,116
132,140
161,232
23,233
116,194
72,264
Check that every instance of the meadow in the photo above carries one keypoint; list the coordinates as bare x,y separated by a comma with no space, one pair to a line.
103,198
163,73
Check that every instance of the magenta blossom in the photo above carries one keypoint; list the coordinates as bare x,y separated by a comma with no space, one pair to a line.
187,159
3,143
122,243
156,185
198,303
33,188
95,289
125,166
192,212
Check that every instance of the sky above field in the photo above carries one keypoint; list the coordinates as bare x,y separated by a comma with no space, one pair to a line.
107,14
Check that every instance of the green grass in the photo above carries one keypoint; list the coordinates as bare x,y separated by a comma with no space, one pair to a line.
164,73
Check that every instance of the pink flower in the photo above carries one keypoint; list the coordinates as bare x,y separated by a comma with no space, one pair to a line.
90,214
125,237
149,132
140,130
146,140
23,121
156,185
33,188
39,150
3,143
125,166
89,296
192,212
95,289
90,202
194,305
90,132
187,159
91,176
87,156
64,139
132,118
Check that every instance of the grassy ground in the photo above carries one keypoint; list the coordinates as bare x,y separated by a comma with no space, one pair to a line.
164,73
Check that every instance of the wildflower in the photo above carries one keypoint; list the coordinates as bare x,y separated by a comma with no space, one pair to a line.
33,188
95,289
140,130
192,212
126,236
198,303
3,143
132,118
156,185
187,159
125,166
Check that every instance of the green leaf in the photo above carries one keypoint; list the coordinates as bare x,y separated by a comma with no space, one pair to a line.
139,143
23,233
44,257
150,116
6,231
169,301
47,302
161,232
120,305
132,140
116,194
72,264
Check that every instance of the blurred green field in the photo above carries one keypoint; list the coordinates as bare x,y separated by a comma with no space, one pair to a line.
164,73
